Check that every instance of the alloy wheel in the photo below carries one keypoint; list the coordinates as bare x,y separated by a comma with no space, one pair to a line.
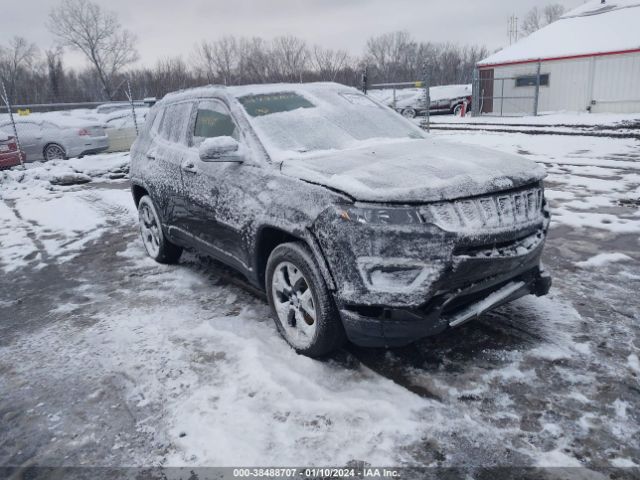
149,229
54,152
294,304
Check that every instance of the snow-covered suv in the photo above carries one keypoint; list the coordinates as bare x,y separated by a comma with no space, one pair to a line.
357,224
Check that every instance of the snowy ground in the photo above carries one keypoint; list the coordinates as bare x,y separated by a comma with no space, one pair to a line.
574,119
107,358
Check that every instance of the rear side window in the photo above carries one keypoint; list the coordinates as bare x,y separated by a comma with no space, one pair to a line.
213,120
154,119
27,129
174,124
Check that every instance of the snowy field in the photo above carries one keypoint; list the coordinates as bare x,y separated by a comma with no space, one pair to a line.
107,358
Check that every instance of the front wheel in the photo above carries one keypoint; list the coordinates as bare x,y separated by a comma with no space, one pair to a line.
304,310
155,243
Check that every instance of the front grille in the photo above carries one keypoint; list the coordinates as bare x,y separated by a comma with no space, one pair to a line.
492,212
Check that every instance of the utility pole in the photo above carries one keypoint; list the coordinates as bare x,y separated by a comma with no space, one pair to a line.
512,29
364,80
426,122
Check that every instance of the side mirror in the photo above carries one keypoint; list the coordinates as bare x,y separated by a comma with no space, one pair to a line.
220,149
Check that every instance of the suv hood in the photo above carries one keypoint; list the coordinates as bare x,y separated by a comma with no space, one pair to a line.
415,171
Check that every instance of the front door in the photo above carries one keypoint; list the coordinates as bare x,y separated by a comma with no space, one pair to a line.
213,202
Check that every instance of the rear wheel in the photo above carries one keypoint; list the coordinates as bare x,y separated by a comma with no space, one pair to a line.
155,243
409,113
304,310
53,151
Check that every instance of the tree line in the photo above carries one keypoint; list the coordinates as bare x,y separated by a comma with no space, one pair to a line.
33,75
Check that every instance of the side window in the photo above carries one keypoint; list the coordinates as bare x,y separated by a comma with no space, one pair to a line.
156,120
27,129
175,121
213,120
167,122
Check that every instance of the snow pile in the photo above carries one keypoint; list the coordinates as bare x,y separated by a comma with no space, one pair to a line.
65,219
589,29
603,259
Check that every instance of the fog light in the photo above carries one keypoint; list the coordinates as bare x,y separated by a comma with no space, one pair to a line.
395,274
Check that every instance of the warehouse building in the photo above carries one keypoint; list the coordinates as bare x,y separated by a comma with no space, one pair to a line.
589,60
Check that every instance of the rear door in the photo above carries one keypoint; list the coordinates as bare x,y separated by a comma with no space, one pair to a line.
30,136
164,158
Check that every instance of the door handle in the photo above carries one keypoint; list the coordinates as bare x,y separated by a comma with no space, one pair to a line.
151,157
189,166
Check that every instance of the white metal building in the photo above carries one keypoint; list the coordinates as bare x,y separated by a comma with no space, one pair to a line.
589,60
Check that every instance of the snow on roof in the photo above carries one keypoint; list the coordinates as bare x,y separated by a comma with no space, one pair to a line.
257,89
61,119
592,28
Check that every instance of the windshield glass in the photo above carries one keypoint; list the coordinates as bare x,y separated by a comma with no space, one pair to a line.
296,124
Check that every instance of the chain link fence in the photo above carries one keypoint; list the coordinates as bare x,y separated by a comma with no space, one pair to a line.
496,96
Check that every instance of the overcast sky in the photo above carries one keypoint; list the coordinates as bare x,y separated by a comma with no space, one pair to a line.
172,27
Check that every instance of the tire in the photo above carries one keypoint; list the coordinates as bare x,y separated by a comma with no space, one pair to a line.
409,113
53,151
153,238
456,110
295,287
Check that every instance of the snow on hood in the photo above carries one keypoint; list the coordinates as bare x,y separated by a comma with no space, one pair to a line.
415,171
4,136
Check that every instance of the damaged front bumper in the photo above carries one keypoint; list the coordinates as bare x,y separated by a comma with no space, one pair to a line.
388,327
398,283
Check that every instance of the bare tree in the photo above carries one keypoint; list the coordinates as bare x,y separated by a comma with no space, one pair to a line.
218,60
531,22
86,27
535,18
290,55
18,56
55,72
553,12
328,63
392,54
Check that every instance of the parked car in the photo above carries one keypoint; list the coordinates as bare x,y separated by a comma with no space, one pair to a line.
121,129
112,107
355,222
118,107
55,136
410,102
9,153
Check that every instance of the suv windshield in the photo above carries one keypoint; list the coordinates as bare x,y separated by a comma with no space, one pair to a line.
292,123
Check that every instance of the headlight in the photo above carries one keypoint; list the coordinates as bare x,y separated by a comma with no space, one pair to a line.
380,216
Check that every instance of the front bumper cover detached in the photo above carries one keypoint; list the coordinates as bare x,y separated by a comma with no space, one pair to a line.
383,327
